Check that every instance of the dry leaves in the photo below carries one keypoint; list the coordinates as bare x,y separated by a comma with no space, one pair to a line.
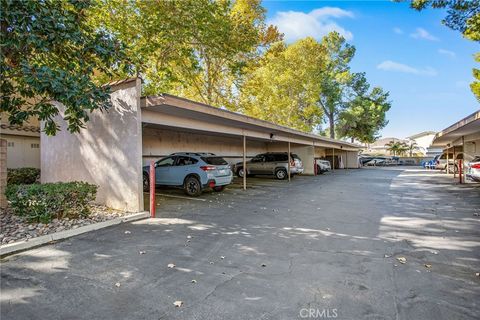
178,303
402,260
171,265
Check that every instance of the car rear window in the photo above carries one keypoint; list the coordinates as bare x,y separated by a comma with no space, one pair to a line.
215,161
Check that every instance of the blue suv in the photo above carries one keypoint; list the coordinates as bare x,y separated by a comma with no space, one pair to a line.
191,171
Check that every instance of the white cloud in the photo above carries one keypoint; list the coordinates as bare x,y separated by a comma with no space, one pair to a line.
397,30
421,33
317,23
446,52
389,65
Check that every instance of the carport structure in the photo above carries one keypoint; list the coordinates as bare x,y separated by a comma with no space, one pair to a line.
461,139
115,145
173,124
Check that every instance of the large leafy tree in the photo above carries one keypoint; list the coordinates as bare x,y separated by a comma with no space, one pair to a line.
335,77
49,52
284,86
463,16
365,114
194,48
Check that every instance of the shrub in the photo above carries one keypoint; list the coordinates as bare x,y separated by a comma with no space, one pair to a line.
44,202
23,175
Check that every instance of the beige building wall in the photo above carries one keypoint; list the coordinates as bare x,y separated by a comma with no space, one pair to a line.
108,152
23,151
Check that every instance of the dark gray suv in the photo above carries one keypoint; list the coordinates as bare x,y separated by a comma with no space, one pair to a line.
272,163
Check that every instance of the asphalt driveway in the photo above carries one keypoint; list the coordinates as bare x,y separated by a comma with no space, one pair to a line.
318,247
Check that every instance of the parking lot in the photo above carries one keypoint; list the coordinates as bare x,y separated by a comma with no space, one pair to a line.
317,245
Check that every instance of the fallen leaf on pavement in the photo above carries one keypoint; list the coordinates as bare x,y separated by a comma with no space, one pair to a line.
178,303
386,256
127,232
264,265
402,260
117,284
171,265
211,262
189,237
428,266
142,252
477,274
194,281
222,257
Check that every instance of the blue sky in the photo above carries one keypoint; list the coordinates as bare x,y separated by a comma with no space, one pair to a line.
424,65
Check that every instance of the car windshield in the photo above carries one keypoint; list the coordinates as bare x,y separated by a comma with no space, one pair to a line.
216,161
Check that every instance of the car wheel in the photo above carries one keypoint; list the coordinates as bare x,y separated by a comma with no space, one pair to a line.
319,170
240,172
281,174
219,188
146,183
193,187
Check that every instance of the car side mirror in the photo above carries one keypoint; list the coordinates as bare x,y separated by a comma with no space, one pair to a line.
156,164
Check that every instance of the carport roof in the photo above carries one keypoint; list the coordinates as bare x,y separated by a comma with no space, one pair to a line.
196,110
467,126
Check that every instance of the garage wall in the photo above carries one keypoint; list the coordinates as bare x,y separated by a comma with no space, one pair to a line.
108,152
22,151
161,142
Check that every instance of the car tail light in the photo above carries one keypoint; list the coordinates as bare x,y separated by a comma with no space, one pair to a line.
292,163
211,184
476,166
208,168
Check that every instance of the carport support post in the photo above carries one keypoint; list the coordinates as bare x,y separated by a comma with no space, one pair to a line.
333,159
244,162
454,157
448,164
288,161
152,189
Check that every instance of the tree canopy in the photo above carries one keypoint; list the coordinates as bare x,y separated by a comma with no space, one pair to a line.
50,53
283,87
197,49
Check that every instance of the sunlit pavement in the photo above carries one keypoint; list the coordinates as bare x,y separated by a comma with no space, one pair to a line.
318,247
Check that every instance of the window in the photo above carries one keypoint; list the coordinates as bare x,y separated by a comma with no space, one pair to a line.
185,161
166,162
269,158
216,161
258,158
10,144
35,145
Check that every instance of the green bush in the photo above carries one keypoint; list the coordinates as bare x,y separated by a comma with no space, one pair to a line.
44,202
23,175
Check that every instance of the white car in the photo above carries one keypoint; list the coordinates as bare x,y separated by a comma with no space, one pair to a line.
322,166
473,170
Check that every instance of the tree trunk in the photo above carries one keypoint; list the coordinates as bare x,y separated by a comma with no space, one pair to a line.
331,120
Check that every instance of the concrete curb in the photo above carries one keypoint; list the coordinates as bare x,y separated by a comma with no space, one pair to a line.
38,241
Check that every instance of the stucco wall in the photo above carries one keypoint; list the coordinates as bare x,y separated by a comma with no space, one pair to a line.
23,151
108,152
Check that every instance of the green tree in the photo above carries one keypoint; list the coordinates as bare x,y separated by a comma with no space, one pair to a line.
463,16
335,77
412,147
283,86
197,49
365,114
396,147
50,53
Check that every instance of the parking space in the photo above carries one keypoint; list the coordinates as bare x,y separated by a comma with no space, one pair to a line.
324,242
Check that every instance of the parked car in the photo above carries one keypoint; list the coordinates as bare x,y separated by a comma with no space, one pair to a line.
377,161
322,166
271,163
473,169
441,162
191,171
